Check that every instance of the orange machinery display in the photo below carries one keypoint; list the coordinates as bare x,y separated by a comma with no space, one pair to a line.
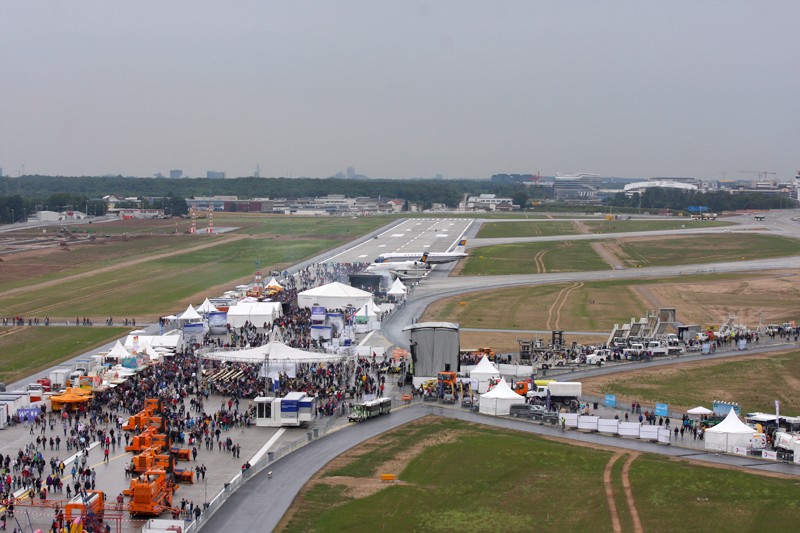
146,439
91,505
146,417
150,459
150,493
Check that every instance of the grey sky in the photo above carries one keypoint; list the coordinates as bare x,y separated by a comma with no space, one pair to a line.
400,89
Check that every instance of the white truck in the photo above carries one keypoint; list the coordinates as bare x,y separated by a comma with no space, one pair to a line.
635,352
58,379
599,357
562,394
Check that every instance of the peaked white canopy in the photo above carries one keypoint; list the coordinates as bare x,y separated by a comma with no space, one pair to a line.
502,390
206,307
273,283
499,400
118,351
731,424
729,434
189,315
334,296
397,288
483,372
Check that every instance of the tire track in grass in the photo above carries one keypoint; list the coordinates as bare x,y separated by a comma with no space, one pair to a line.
564,297
540,268
626,484
609,488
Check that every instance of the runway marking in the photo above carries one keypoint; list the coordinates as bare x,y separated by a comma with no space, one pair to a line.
362,255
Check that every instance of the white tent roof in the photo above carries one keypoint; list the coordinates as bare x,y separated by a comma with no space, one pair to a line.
336,289
397,288
118,351
731,424
274,351
503,391
254,312
334,295
189,314
369,309
274,283
484,368
206,307
700,411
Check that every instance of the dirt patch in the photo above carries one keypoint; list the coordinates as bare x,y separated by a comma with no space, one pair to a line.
603,249
361,487
580,227
456,271
647,295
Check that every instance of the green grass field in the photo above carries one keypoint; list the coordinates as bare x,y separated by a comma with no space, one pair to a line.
706,249
30,349
526,229
578,256
753,383
489,479
158,286
566,256
623,226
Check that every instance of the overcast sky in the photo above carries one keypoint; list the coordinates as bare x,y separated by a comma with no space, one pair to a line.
400,88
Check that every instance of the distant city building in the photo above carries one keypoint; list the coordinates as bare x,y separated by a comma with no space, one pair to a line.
576,186
1,172
351,173
485,202
215,175
206,202
175,173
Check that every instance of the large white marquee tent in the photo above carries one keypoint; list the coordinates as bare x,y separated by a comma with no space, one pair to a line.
729,434
276,357
257,313
499,400
334,296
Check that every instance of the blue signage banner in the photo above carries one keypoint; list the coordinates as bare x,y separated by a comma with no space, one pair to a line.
662,409
611,400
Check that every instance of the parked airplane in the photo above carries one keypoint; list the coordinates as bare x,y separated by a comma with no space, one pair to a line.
400,266
433,258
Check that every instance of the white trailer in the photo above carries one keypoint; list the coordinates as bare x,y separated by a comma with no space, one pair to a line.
58,379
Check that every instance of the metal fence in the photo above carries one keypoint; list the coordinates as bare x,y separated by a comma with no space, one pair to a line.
243,477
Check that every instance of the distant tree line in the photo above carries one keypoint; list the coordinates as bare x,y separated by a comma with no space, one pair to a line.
16,207
716,201
421,192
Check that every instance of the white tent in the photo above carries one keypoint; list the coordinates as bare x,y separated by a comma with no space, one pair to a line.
334,296
190,315
273,284
206,307
118,351
483,372
276,357
700,411
397,289
169,341
257,313
729,434
498,400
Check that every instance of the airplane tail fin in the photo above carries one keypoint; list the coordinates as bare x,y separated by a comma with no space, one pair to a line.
424,257
461,247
